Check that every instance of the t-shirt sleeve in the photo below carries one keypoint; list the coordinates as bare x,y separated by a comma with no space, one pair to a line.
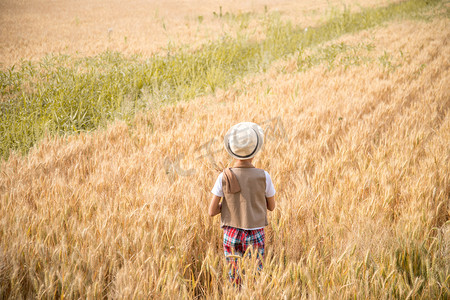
270,189
217,189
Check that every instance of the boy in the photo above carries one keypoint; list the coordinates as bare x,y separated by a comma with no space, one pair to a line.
247,194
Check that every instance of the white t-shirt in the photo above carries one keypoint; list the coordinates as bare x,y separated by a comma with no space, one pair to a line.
218,190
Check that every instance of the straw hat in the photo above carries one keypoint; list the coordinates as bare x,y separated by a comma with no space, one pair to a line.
244,140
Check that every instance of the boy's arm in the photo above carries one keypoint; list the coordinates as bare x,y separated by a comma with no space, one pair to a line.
270,203
215,207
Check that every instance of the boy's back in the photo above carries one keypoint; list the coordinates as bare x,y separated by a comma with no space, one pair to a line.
246,209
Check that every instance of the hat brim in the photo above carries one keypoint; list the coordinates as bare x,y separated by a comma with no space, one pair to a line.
259,141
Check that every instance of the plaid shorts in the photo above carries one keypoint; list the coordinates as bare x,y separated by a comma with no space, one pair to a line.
236,241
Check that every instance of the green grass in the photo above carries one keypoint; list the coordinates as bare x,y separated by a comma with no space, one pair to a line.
61,94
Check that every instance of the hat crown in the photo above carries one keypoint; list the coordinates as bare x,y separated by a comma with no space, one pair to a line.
244,140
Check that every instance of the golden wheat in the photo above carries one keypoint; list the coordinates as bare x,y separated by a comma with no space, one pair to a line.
359,156
32,29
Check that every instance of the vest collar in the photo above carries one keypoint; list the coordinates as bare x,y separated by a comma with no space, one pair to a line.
244,166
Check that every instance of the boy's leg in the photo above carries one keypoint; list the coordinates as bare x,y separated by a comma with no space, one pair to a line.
256,239
233,249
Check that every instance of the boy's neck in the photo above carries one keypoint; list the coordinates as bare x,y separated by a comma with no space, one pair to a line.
247,163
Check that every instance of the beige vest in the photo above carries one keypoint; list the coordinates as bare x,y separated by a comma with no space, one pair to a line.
248,208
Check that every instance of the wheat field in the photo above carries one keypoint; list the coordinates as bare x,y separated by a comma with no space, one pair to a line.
359,154
32,29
